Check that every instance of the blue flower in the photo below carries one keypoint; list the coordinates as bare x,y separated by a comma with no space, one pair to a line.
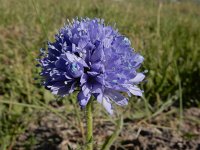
95,59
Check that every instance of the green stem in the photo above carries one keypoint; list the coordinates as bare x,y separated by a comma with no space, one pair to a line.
89,136
108,143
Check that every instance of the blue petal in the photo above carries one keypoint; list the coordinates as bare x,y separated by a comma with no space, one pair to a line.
85,89
138,78
98,67
107,105
133,89
71,57
97,88
97,55
84,78
116,97
61,63
83,99
92,73
105,101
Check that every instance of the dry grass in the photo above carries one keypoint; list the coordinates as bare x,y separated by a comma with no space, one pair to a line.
166,33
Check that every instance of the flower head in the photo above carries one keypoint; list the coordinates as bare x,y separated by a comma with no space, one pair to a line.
95,59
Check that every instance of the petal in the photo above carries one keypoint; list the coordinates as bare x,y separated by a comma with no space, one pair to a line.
61,64
63,89
116,97
53,50
98,67
73,47
70,57
97,55
82,43
81,61
138,59
133,89
105,101
97,88
83,79
107,42
107,105
100,79
138,78
92,73
85,89
72,87
99,97
83,99
67,76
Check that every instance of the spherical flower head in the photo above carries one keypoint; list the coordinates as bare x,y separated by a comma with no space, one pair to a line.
95,59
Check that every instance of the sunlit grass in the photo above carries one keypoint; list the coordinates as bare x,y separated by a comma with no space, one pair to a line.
167,34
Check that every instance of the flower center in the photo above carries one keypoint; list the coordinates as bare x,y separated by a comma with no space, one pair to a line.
75,69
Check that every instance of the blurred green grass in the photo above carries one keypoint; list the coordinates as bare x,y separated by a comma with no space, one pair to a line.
166,33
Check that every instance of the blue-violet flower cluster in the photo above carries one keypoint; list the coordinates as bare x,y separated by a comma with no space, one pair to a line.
95,59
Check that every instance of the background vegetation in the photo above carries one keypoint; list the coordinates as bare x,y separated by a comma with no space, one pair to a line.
166,32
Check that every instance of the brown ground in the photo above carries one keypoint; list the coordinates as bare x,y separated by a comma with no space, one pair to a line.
159,133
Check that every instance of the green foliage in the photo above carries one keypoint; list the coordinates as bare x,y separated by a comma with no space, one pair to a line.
167,34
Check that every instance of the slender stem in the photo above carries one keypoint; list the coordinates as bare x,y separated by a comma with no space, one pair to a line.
108,143
89,136
158,18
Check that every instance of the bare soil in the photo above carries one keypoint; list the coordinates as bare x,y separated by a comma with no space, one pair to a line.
164,132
